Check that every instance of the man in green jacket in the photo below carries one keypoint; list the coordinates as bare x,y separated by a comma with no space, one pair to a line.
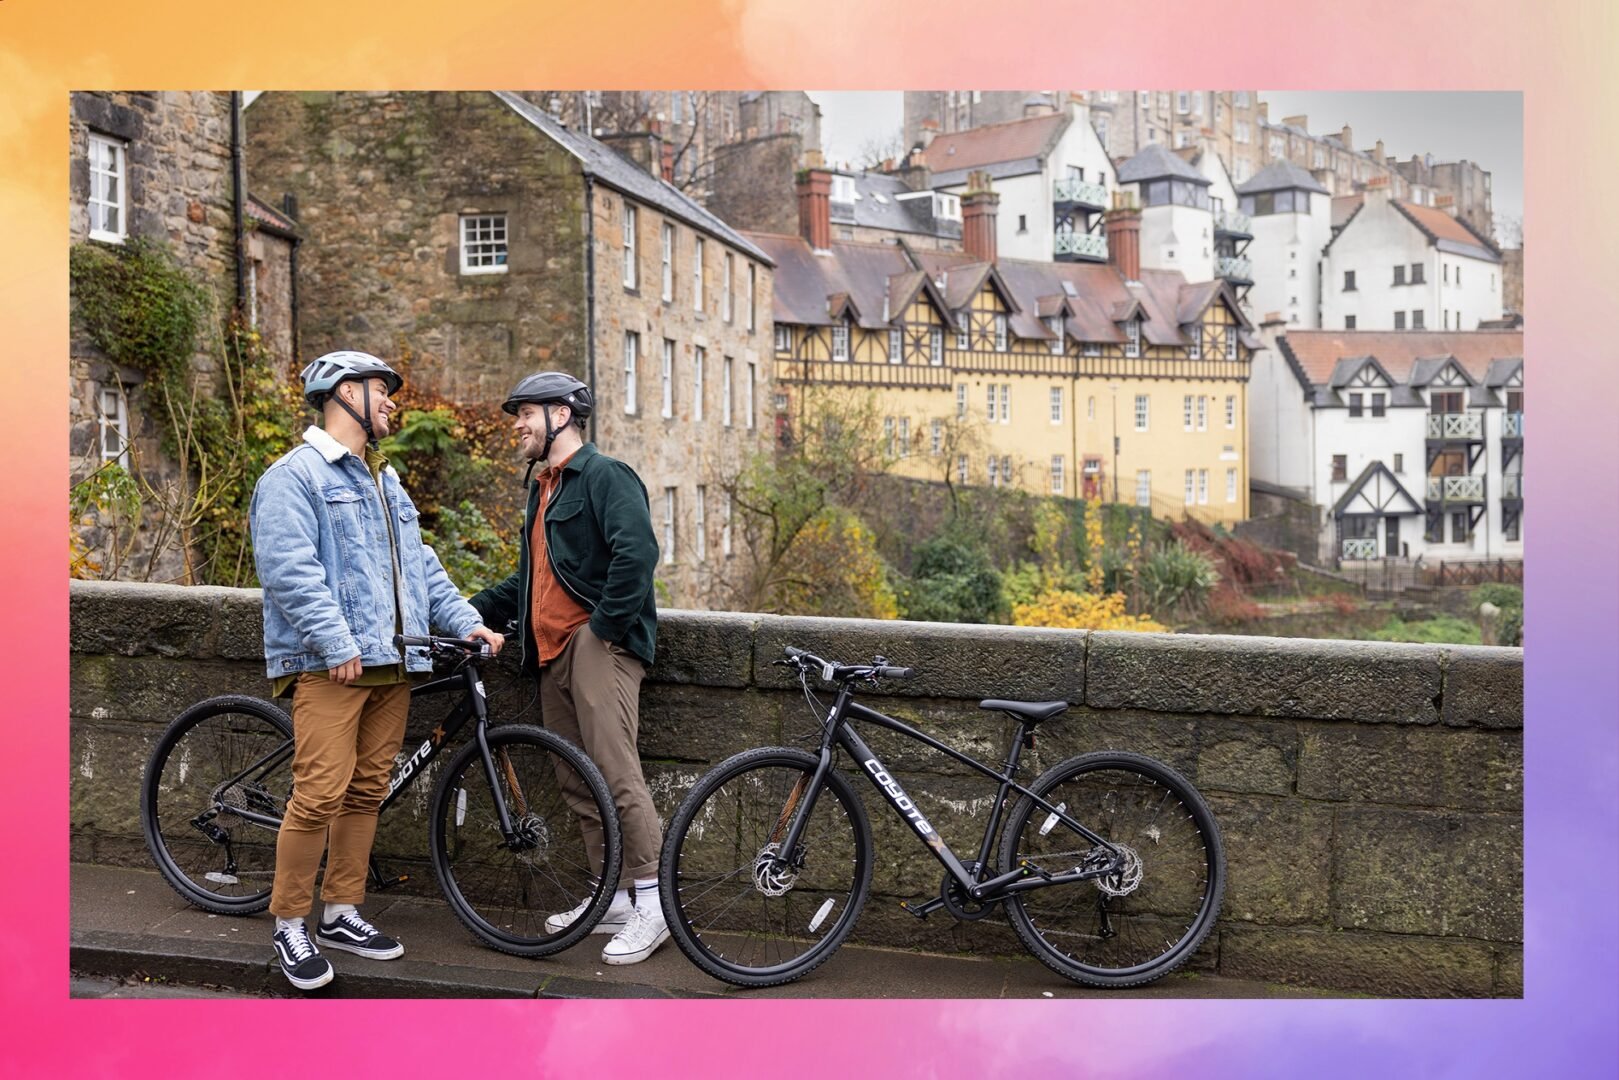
582,597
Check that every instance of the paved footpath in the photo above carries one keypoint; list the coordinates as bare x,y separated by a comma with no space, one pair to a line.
128,924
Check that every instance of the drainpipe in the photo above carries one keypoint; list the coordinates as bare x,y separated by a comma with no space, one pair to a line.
292,273
590,299
238,198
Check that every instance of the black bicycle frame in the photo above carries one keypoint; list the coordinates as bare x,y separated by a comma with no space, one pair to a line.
839,730
472,705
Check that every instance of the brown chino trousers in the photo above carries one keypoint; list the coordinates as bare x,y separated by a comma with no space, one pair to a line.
590,695
345,739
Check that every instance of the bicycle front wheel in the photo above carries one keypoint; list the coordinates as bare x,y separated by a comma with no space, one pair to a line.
1147,919
547,886
737,905
212,798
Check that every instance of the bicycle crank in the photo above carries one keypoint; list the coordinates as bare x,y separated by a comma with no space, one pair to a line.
958,903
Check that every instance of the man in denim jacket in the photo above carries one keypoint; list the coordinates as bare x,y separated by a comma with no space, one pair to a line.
338,548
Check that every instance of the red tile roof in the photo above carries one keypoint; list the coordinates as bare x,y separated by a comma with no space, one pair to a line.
994,143
1317,352
1344,207
1441,226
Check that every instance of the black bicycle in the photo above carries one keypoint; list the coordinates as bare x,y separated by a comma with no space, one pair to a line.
504,829
1110,866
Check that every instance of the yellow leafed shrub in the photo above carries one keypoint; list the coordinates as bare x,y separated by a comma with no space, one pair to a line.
1064,609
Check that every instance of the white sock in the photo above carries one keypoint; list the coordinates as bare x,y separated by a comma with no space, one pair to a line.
621,897
288,924
334,910
646,891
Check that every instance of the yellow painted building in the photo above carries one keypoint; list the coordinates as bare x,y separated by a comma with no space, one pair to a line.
1057,378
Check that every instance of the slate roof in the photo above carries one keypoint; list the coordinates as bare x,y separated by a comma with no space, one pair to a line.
1279,176
612,169
1153,162
1411,358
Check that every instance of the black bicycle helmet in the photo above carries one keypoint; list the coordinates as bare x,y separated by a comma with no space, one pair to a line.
544,387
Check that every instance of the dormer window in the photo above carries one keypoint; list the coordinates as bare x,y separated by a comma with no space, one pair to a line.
946,207
1054,324
840,340
843,189
1132,338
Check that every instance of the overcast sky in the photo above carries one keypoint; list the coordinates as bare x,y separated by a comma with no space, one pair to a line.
1485,127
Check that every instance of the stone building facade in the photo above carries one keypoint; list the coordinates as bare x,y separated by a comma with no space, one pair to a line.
157,166
474,238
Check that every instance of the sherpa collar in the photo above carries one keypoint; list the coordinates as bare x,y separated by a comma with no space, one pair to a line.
332,450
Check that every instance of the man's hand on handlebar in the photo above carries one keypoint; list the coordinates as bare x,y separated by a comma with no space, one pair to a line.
483,633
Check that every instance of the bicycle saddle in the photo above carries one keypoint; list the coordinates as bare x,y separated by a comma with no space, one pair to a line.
1030,712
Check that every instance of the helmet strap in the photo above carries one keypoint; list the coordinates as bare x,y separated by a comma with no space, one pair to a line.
550,432
363,421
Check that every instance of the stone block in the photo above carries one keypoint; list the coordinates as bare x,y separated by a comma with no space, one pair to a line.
969,662
1388,965
1214,753
1264,677
705,648
703,726
131,619
1509,973
1483,686
1447,874
1278,859
240,616
1413,766
151,689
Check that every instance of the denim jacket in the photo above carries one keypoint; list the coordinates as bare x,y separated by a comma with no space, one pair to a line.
322,551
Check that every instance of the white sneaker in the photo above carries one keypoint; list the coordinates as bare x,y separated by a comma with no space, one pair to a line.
618,915
640,938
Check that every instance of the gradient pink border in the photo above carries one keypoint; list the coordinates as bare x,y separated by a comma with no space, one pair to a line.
1557,54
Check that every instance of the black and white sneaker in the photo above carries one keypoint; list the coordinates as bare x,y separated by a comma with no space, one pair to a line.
351,933
300,963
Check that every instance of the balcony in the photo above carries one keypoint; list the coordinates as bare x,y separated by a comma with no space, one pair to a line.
1081,245
1234,268
1512,425
1512,486
1232,223
1359,548
1072,192
1455,489
1460,426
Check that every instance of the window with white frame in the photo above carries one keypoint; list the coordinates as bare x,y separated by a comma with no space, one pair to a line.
728,508
1090,407
700,523
1056,404
747,395
1143,487
936,346
946,207
1230,410
842,189
1191,477
753,297
1141,412
1202,412
994,471
1183,101
1186,411
668,256
896,345
1091,348
936,437
667,411
698,243
840,340
1054,324
963,335
1006,403
114,421
109,202
1132,338
1231,343
1006,469
483,243
728,390
698,356
1202,486
961,401
669,524
989,414
631,272
1057,480
905,436
632,358
784,340
1231,485
961,468
1000,332
728,285
1194,347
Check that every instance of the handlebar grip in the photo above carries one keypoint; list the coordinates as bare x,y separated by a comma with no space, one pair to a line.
792,652
896,672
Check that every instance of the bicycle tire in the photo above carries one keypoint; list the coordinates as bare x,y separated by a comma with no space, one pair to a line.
1188,870
177,789
547,879
685,861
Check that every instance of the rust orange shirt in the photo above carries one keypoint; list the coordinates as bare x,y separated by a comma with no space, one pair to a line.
553,611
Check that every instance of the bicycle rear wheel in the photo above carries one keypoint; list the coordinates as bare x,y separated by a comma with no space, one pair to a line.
1137,925
731,907
220,759
513,896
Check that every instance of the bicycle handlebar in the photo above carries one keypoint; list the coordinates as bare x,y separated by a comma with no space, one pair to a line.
835,672
442,644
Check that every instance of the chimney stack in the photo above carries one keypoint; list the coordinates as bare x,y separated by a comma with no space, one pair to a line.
1347,137
978,212
1122,225
930,130
815,208
667,160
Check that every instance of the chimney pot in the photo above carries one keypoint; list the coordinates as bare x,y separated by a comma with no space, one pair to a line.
1122,225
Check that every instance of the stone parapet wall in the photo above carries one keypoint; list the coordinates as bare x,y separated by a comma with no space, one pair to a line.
1370,795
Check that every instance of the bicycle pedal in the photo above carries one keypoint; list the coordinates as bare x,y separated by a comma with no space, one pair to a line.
918,909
